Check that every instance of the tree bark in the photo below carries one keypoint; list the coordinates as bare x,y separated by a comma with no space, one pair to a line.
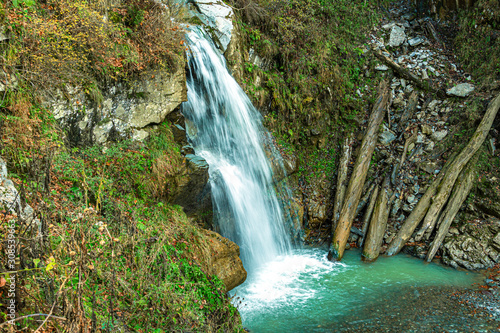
367,216
364,199
461,190
378,224
358,176
341,180
403,72
451,170
416,215
458,164
409,110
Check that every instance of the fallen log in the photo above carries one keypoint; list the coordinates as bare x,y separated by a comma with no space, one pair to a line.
364,199
341,180
461,190
353,194
409,110
429,27
378,224
416,215
406,74
452,168
368,215
458,164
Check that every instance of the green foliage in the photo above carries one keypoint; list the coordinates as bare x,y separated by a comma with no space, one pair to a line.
479,31
314,63
60,42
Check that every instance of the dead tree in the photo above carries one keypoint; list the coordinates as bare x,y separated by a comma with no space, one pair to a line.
441,188
341,180
353,194
461,190
378,224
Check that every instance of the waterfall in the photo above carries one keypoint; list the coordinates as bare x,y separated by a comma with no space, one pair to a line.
226,130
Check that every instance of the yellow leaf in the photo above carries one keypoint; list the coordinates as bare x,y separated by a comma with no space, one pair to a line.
51,264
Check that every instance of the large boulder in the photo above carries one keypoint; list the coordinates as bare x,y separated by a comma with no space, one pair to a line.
221,258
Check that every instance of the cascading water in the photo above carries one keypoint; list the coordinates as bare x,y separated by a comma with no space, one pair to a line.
287,290
226,130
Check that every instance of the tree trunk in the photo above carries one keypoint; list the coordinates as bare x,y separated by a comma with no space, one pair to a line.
367,216
341,180
461,190
458,164
403,72
364,199
416,215
358,176
409,110
378,224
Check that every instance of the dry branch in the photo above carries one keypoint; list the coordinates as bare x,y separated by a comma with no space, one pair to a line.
409,110
358,176
406,74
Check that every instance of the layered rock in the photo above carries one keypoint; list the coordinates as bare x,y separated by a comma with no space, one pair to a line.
123,110
473,246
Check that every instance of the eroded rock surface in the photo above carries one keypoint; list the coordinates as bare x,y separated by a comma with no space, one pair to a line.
223,260
477,246
122,111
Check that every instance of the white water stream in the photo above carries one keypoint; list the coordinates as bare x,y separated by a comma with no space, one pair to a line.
226,130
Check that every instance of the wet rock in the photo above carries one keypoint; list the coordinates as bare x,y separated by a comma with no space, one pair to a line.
439,135
192,191
474,248
461,90
218,16
397,36
316,213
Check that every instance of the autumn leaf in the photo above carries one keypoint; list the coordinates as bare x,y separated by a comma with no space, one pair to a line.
3,282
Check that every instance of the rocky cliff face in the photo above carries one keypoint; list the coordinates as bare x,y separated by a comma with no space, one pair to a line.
123,110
